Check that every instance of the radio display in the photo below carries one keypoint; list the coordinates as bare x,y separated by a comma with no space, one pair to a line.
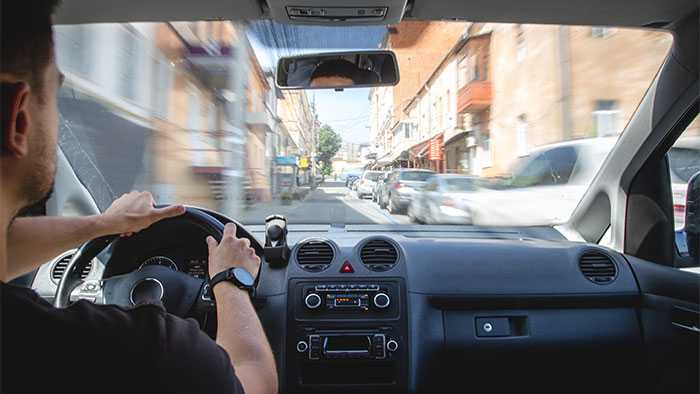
347,343
346,300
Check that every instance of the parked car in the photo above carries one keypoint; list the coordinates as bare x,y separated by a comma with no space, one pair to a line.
444,199
400,187
350,178
544,187
366,183
684,162
354,183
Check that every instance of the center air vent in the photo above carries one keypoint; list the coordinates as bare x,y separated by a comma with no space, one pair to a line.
379,255
598,268
59,269
315,256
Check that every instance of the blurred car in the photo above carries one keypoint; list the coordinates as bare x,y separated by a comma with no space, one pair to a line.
545,186
684,162
354,183
444,199
366,183
400,187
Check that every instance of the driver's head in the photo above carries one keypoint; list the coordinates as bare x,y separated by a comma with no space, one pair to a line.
334,73
29,81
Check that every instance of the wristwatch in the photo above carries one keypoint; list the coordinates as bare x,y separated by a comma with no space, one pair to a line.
238,276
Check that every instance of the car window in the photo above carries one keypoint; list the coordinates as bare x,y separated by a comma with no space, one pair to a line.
431,184
562,162
419,176
535,172
684,162
460,185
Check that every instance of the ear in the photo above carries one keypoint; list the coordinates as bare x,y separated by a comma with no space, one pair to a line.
15,118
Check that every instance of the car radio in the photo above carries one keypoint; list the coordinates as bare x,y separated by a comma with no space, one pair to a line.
339,297
346,332
347,345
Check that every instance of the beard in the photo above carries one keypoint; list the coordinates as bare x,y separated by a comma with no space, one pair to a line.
39,185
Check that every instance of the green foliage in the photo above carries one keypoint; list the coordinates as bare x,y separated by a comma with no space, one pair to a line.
329,143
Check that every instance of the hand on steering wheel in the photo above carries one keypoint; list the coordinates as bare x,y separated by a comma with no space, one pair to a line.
232,252
179,293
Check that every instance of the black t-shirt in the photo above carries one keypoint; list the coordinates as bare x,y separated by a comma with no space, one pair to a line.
105,349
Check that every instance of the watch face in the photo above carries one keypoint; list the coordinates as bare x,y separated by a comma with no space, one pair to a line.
243,277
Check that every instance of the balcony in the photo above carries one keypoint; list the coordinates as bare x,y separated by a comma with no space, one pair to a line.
475,96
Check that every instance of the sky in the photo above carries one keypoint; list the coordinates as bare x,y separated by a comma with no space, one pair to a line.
347,112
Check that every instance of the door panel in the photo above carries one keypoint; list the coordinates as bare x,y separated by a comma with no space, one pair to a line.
669,314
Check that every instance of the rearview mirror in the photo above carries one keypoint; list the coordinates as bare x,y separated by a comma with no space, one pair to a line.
338,70
692,217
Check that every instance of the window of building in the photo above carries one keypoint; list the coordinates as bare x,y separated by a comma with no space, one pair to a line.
129,64
601,31
163,78
521,47
605,118
193,124
486,153
521,135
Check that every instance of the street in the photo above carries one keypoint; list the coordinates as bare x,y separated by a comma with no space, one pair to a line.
330,203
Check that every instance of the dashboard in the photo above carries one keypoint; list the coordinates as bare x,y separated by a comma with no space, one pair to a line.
397,310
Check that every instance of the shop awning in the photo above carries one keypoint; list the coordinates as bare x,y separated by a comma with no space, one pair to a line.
457,137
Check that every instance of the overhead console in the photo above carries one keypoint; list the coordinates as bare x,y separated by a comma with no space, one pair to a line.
346,12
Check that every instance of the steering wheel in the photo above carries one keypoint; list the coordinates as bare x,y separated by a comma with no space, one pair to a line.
179,292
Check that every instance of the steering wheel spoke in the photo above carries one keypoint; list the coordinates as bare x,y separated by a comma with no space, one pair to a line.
89,290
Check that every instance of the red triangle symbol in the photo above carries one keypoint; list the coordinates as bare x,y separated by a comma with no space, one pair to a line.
347,268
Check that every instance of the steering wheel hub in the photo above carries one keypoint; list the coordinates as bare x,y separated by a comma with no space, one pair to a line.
148,290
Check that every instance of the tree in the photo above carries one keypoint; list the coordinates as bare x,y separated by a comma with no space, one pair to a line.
328,145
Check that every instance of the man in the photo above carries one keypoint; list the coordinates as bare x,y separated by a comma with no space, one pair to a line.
334,73
86,346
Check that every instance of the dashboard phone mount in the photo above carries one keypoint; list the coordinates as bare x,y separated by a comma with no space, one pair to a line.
276,250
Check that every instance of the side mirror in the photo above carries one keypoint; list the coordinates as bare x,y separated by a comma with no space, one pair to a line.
692,217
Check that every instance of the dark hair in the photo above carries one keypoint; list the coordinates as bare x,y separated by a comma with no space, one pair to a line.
336,68
26,38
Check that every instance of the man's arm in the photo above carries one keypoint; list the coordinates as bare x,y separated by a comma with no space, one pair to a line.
239,331
34,240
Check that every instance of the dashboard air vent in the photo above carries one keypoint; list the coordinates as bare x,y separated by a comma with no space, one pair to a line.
379,255
598,268
315,256
59,269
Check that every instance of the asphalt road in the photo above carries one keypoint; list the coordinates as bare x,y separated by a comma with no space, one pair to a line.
330,203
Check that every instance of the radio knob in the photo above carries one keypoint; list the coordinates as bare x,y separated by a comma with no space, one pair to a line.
312,301
302,347
392,345
381,300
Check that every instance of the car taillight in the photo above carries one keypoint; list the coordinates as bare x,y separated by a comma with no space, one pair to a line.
679,209
448,202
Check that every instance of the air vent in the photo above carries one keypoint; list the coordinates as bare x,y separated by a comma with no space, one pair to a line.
598,268
315,256
59,269
379,255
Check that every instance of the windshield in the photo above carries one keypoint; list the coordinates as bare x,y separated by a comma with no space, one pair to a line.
191,112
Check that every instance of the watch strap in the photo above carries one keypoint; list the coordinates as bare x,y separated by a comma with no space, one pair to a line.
227,276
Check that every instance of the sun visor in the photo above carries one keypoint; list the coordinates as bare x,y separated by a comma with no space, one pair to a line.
92,11
344,12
